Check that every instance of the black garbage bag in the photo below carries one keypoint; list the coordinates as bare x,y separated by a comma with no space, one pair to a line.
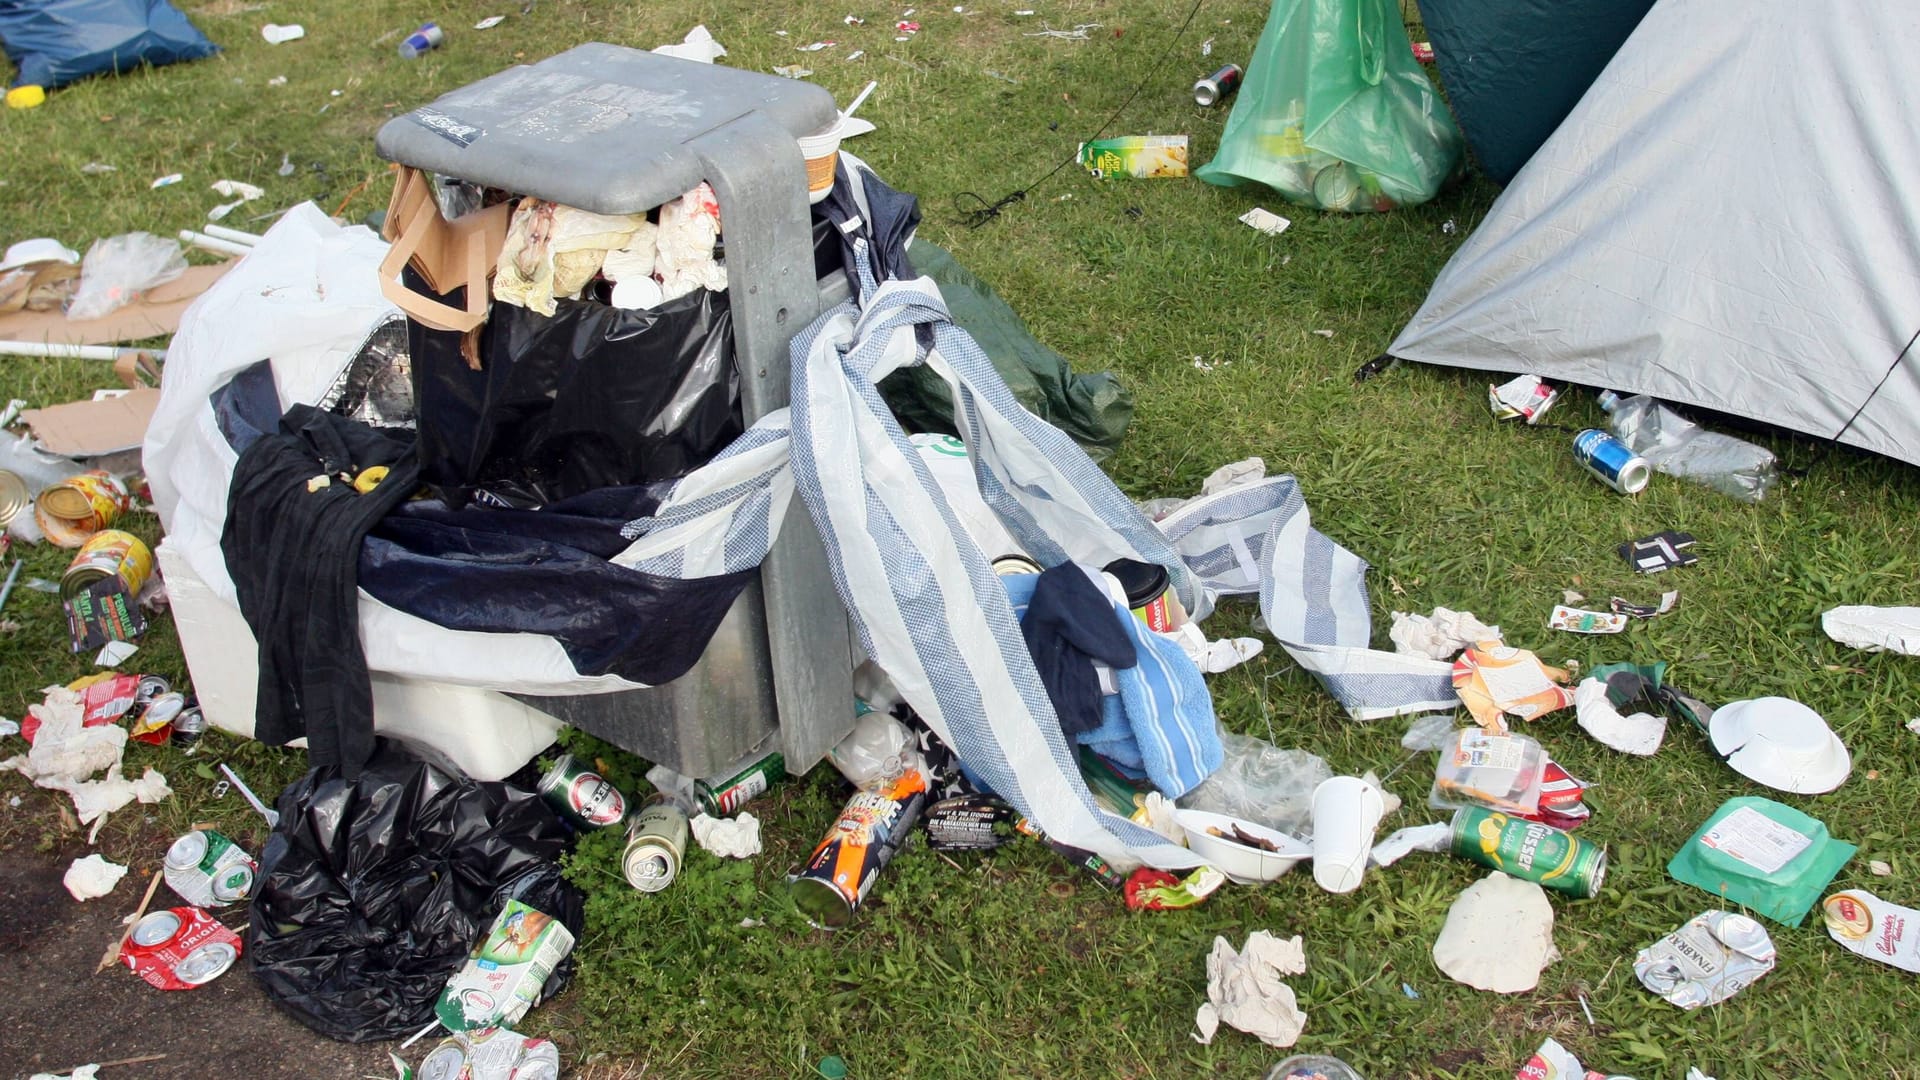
595,396
372,892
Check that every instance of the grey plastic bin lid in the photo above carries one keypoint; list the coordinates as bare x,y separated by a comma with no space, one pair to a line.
599,127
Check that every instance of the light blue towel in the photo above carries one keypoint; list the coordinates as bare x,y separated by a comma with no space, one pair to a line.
1161,724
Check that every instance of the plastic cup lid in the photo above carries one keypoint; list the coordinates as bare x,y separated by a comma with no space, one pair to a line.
1780,743
39,250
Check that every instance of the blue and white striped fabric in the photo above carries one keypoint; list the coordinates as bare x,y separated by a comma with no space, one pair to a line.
1258,537
925,602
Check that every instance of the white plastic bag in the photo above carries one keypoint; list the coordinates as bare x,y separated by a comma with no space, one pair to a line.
119,268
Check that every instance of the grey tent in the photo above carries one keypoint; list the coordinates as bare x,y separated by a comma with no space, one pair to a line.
1730,218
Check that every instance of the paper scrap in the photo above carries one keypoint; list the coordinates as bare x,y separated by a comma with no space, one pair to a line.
1875,629
1577,621
1498,936
1879,869
1494,679
1639,734
1265,221
1525,398
115,653
1623,606
792,71
1659,552
1873,928
489,22
165,181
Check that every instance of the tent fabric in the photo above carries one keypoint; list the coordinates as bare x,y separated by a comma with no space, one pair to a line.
1513,69
1729,219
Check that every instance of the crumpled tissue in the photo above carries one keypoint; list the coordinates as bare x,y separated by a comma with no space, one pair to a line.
1440,635
1245,991
729,838
1214,657
92,877
65,753
1639,734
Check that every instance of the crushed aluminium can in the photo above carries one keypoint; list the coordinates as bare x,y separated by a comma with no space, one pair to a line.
1218,86
1530,851
180,948
490,1054
582,796
207,869
656,842
1712,957
155,722
870,831
189,726
1865,924
744,781
1609,459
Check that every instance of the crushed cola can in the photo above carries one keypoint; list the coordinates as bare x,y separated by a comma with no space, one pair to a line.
180,948
1712,957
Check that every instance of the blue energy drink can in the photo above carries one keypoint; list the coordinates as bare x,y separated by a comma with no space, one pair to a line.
1609,459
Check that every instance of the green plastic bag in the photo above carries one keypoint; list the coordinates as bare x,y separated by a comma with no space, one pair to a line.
1336,113
1092,407
1763,855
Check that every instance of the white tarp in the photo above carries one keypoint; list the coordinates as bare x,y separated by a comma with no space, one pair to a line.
1730,219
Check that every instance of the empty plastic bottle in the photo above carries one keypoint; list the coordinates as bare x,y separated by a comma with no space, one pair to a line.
1682,448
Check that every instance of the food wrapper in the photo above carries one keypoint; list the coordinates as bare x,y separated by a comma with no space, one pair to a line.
1580,621
1499,771
1555,1062
1525,398
1157,890
1714,956
1495,680
1142,157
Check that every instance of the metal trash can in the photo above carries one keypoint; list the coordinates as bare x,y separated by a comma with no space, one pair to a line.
619,131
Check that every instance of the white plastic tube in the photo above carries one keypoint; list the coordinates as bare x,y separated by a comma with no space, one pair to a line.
221,232
212,243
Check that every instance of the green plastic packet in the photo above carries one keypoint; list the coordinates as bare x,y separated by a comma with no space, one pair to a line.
1763,855
1336,113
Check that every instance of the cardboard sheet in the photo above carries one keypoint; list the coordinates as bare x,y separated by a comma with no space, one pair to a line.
84,429
154,316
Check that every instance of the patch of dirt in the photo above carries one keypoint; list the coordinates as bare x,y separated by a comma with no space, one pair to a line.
61,1015
1453,1061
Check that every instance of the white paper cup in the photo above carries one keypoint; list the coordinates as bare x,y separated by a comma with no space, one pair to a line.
822,151
1346,811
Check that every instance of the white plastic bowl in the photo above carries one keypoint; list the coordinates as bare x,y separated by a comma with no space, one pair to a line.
1780,743
1244,864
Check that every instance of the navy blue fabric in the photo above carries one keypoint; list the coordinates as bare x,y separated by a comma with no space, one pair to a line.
1068,625
546,572
247,406
55,42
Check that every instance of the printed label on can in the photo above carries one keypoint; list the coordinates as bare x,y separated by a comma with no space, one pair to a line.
1529,850
730,799
843,868
180,948
582,795
207,869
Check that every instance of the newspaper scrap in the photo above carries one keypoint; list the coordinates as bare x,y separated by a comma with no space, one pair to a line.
1525,398
1265,221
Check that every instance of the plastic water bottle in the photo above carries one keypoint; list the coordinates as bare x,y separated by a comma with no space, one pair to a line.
1681,448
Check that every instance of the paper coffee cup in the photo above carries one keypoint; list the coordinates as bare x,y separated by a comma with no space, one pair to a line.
822,151
1346,811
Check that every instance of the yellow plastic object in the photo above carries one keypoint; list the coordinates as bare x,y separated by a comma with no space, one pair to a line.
26,97
369,479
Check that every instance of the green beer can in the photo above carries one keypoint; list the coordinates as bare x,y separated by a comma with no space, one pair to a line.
1529,850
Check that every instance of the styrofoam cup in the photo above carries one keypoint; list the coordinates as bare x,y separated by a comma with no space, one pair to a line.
1346,811
822,151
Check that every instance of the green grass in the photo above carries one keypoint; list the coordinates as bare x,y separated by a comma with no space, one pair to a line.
1012,964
